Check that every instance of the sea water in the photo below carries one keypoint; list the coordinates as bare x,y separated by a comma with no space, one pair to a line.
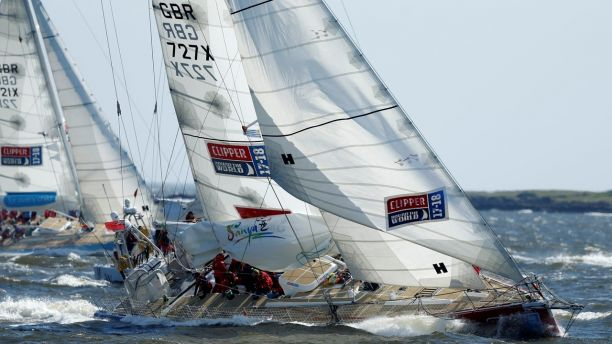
51,297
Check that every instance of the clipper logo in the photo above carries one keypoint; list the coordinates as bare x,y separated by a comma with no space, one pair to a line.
237,160
21,156
407,209
257,231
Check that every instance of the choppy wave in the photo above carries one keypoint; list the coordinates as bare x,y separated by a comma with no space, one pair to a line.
585,316
28,310
236,320
407,326
77,281
596,214
597,258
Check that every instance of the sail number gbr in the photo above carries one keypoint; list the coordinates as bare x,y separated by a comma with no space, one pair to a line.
239,160
190,58
415,208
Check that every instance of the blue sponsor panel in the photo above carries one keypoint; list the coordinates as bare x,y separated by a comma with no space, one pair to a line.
437,205
260,161
29,199
232,167
407,216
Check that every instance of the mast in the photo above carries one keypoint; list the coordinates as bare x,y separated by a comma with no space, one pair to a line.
55,102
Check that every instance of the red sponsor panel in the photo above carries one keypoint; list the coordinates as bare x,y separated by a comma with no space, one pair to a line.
114,225
15,152
229,152
247,213
406,202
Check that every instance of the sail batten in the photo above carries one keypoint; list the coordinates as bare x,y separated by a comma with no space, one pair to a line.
313,70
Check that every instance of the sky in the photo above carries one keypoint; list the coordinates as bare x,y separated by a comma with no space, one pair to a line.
510,94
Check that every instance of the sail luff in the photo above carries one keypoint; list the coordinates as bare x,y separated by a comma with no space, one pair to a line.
55,102
336,138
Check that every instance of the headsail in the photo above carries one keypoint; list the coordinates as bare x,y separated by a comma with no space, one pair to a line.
337,139
227,156
35,171
106,174
215,110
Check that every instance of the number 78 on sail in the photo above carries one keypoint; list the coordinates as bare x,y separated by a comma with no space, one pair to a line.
414,208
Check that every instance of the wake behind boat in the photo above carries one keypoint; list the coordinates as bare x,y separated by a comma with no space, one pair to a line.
277,106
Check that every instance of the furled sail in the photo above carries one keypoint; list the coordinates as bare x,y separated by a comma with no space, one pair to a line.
226,152
34,172
337,139
106,174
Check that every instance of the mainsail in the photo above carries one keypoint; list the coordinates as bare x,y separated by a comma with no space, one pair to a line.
50,112
337,139
35,171
106,174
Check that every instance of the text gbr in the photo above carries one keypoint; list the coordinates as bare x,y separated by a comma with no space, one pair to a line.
185,52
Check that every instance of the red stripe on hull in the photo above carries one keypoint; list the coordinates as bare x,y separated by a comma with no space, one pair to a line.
247,213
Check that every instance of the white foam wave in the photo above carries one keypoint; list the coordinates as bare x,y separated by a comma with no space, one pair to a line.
596,214
237,320
73,257
28,310
586,316
77,281
597,258
407,325
525,211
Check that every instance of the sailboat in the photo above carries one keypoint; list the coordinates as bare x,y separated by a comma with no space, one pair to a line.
58,153
334,137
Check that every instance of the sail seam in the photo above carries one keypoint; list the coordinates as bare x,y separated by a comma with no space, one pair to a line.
249,7
329,122
219,140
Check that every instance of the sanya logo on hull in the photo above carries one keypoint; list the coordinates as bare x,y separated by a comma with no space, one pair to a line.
258,230
403,210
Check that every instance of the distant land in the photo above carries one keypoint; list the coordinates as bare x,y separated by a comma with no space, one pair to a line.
536,200
544,200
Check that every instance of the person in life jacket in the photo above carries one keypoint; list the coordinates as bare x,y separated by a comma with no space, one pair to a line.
263,282
220,273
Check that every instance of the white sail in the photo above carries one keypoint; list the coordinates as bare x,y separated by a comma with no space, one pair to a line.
378,256
105,172
337,139
34,172
226,152
213,104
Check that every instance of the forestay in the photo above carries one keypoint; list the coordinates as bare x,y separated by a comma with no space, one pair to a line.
337,139
34,172
215,112
105,172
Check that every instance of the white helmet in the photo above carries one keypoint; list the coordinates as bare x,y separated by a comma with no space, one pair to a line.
114,216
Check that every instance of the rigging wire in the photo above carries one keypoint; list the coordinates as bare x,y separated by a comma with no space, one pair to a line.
116,95
138,181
